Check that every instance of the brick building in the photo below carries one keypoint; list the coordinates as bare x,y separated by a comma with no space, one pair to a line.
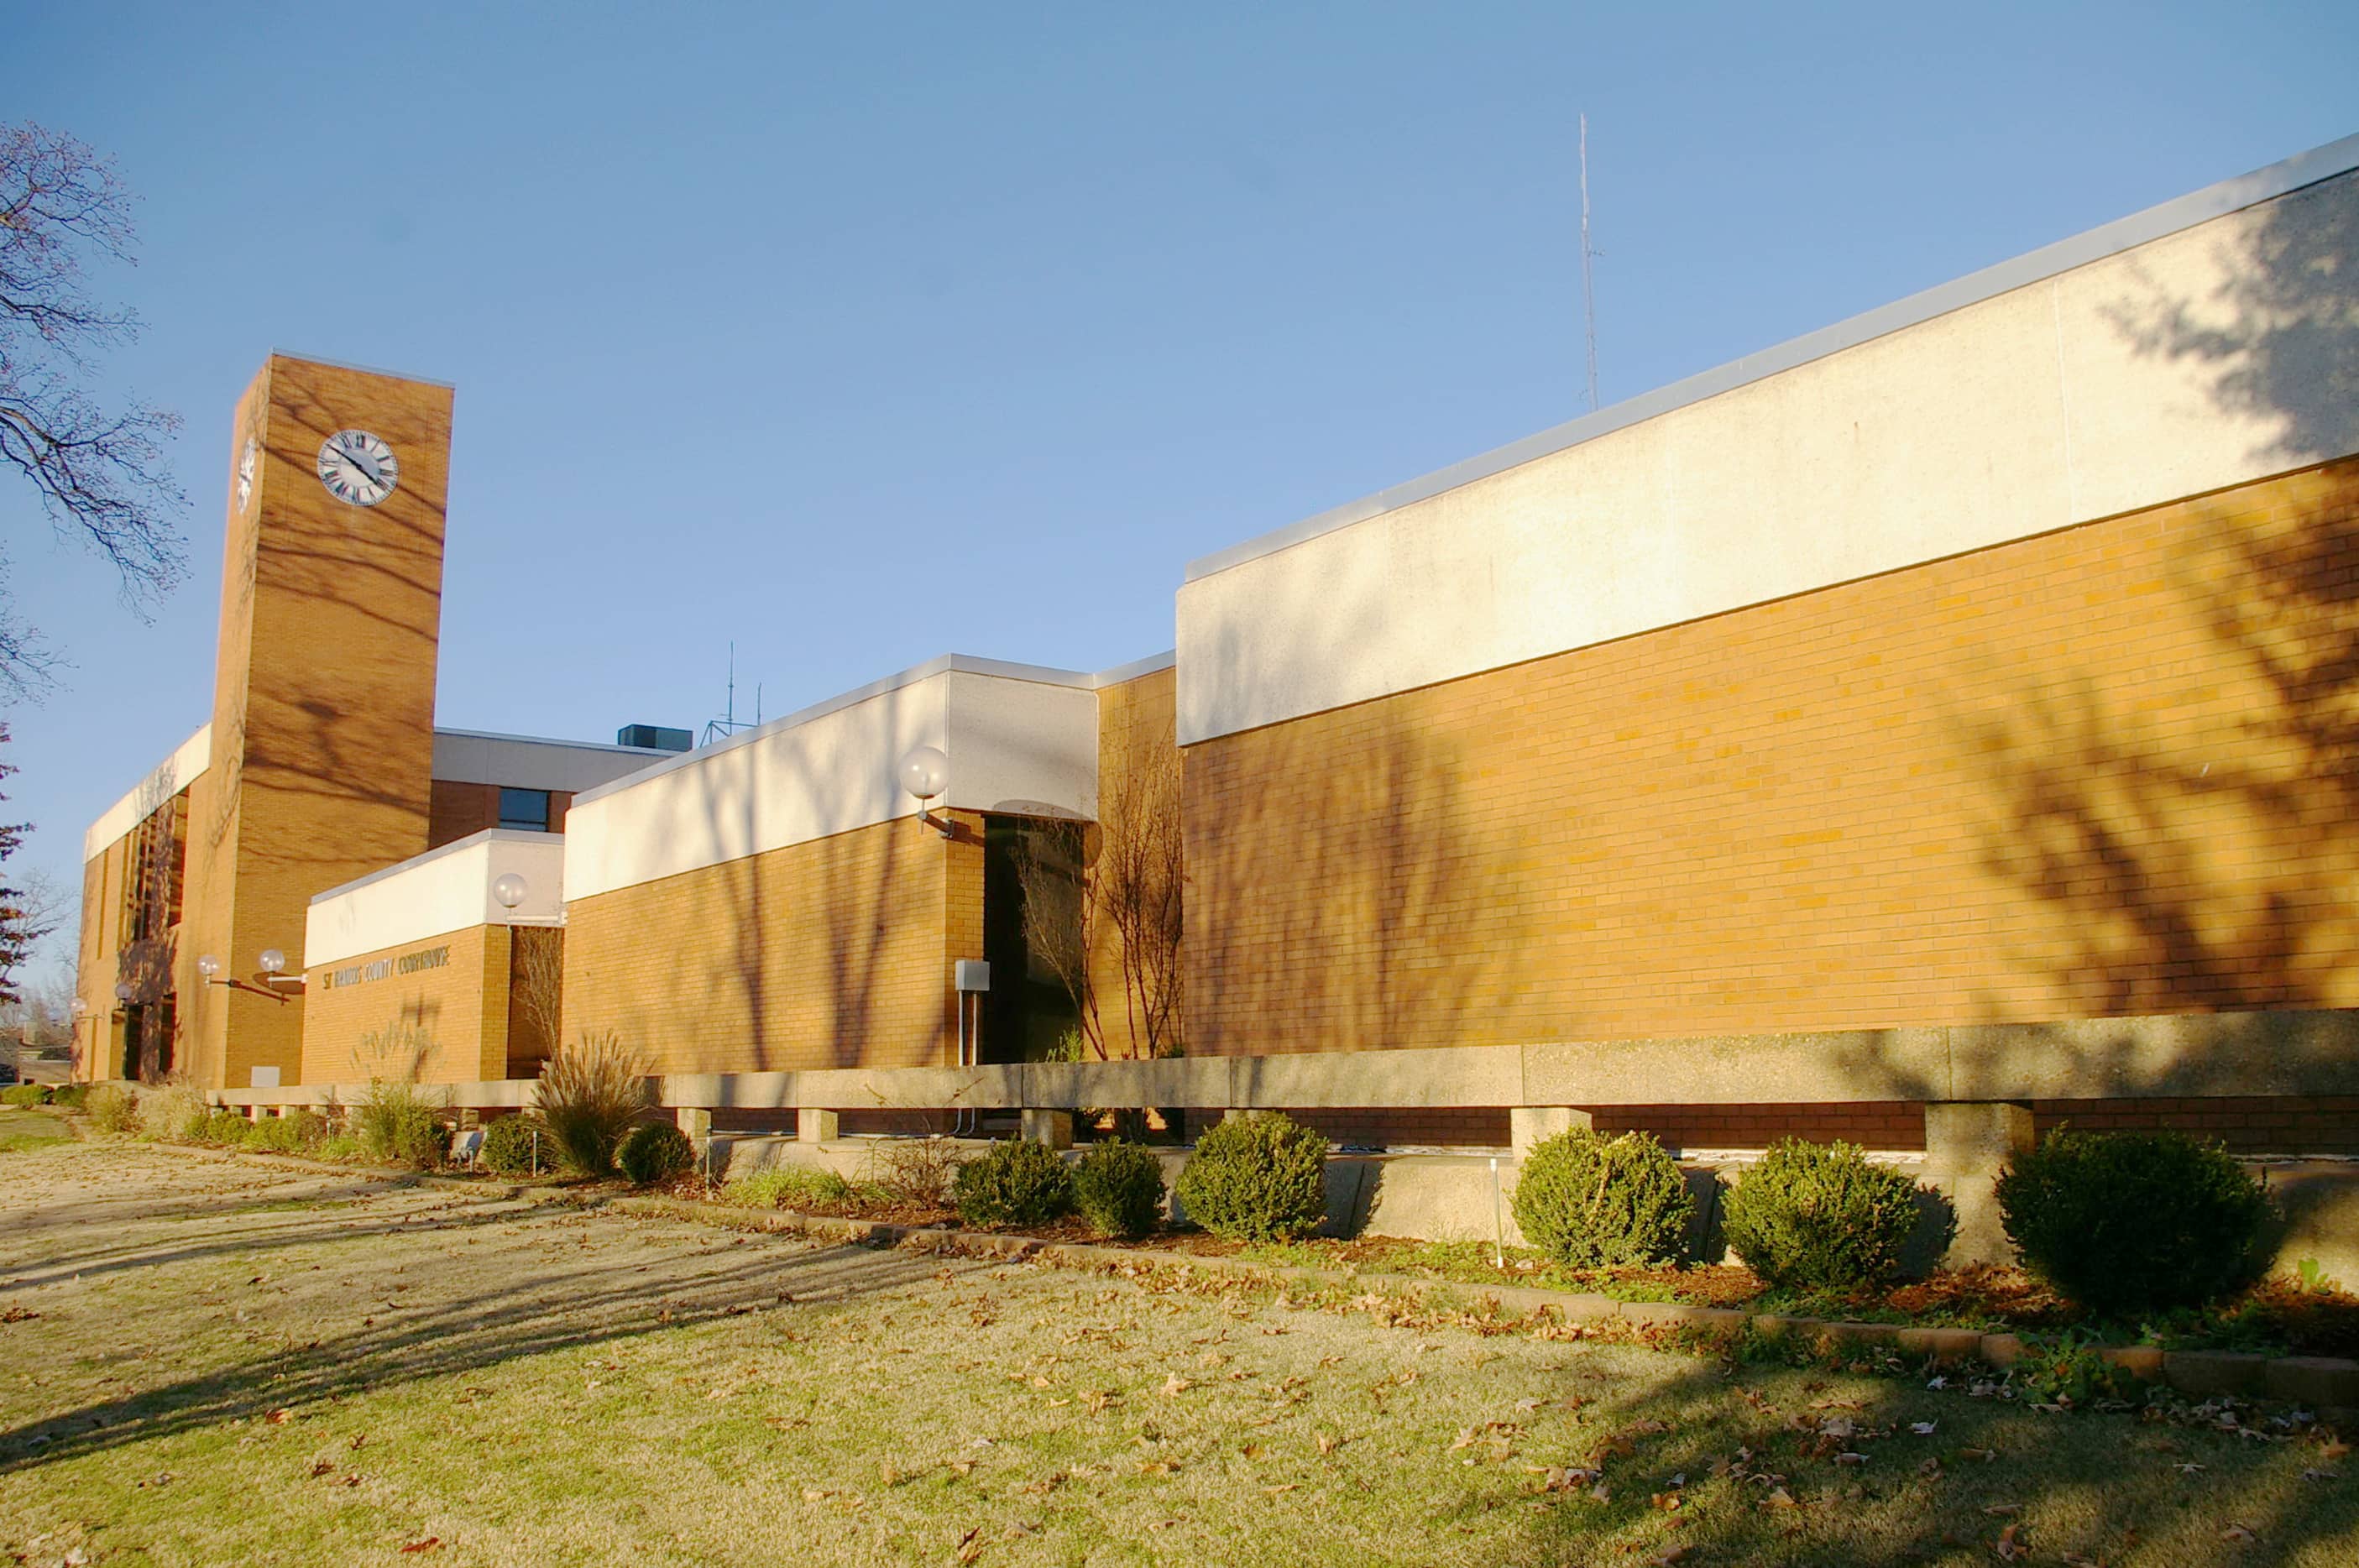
1981,663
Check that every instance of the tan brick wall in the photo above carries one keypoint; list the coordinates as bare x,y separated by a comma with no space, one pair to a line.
831,954
460,1005
1134,724
2103,772
323,716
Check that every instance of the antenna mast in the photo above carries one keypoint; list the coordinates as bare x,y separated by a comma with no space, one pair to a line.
1588,282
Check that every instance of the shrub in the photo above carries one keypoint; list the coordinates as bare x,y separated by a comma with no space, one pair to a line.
1819,1216
591,1093
70,1096
655,1151
786,1187
2129,1221
298,1132
226,1128
1589,1201
112,1108
1015,1182
338,1146
25,1096
518,1145
175,1111
1261,1178
918,1171
1118,1187
396,1122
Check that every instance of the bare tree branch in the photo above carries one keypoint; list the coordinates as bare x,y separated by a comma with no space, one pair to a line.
97,466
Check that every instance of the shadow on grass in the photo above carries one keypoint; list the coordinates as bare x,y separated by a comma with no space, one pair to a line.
571,1303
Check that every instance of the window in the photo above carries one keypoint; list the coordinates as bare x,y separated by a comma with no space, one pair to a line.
525,808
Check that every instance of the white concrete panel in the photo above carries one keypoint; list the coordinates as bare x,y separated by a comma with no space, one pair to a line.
1022,743
1021,747
443,890
172,776
2227,351
524,762
2205,357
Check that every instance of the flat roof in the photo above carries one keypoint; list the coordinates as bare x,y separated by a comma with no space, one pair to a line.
2095,244
942,664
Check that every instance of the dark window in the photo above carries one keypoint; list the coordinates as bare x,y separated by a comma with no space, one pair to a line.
525,808
1028,1011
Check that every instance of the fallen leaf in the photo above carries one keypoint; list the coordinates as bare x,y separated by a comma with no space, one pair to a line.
1780,1499
1327,1442
970,1547
2238,1532
431,1544
2006,1544
1922,1429
279,1418
2001,1510
1173,1385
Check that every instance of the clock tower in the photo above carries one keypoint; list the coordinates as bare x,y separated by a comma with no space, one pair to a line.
322,740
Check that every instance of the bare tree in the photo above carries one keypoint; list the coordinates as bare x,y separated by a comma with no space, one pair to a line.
22,922
1116,885
97,465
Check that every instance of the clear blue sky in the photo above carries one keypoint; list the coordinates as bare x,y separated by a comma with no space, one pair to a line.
862,334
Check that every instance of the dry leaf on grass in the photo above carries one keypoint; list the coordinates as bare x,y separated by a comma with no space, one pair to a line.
431,1543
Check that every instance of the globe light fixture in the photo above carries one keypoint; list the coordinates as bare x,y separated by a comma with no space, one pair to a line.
925,773
122,990
79,1007
509,890
208,966
272,960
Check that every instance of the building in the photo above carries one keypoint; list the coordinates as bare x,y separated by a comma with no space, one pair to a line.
321,763
1983,663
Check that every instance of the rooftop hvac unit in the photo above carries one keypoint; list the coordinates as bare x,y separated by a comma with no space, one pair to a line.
654,737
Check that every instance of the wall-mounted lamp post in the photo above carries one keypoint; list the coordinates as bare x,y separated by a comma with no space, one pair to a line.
509,890
925,773
208,969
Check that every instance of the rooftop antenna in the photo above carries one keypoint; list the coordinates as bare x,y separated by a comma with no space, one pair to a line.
1588,281
727,724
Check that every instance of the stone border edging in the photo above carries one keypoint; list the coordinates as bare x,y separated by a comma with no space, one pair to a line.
2328,1386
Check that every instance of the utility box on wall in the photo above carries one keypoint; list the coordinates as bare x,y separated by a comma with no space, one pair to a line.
971,975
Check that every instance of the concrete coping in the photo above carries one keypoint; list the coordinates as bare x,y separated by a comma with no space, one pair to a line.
2309,1053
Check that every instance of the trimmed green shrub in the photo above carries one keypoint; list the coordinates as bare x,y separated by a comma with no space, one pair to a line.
655,1151
225,1128
1589,1202
112,1108
591,1093
396,1122
1014,1182
1118,1187
2130,1221
70,1096
786,1187
1819,1216
1261,1178
25,1096
297,1132
175,1111
518,1145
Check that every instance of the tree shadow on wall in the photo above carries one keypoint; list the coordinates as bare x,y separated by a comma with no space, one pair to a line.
2187,829
1342,894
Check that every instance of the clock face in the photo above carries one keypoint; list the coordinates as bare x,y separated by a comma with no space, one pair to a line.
246,464
357,467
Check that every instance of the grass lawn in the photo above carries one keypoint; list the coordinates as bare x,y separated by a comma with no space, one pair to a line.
30,1129
207,1362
